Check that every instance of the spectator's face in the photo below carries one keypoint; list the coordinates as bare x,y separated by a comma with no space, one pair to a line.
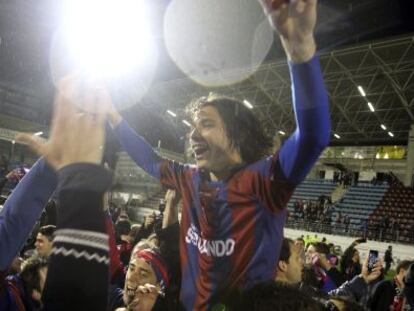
309,254
43,245
210,143
139,273
149,220
400,276
295,266
300,244
355,258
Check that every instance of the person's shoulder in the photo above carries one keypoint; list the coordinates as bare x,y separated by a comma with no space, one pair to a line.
176,166
261,164
384,286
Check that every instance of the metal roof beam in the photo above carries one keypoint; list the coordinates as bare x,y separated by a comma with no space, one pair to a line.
386,70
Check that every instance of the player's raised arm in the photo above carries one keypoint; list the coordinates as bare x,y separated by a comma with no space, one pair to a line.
295,21
135,145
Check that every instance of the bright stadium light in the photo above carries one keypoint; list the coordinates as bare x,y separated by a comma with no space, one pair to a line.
361,91
171,113
187,123
391,134
383,127
38,133
106,38
337,136
371,107
282,133
247,104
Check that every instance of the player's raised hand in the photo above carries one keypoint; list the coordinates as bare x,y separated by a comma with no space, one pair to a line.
77,130
294,21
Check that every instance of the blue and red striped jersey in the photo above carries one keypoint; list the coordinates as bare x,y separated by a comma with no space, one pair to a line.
231,231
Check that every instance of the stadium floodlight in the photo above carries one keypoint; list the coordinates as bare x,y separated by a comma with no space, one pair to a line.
391,134
187,123
106,38
371,107
383,127
361,91
171,113
247,104
282,133
38,133
337,136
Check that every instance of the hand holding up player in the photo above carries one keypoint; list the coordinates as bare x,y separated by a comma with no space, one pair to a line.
294,21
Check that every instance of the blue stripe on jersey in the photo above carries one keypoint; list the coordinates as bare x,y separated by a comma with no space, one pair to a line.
191,271
268,239
222,265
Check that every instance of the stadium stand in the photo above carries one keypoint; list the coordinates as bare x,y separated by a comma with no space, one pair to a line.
397,209
360,201
311,189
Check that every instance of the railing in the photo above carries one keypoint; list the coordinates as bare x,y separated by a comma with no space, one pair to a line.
371,232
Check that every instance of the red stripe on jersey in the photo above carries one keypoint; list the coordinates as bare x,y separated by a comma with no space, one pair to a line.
244,220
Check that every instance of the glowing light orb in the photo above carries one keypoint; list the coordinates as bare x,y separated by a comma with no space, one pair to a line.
109,41
217,42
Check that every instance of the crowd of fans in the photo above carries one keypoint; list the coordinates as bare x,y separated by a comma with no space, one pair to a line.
386,229
314,210
311,273
322,216
345,178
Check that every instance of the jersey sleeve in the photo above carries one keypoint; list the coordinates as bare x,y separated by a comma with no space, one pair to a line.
270,185
310,104
170,173
23,208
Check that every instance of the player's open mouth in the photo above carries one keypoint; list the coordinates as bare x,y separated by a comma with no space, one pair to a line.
200,151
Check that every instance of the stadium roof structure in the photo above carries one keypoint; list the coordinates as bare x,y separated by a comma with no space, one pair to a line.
384,69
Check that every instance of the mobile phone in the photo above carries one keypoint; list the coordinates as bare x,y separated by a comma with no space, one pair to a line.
372,259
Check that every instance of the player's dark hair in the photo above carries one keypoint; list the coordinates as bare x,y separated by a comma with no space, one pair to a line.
244,130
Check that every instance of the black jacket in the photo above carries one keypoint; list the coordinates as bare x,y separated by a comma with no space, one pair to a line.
78,273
